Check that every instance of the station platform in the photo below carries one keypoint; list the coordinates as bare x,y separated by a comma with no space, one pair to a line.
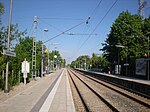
52,94
141,81
132,84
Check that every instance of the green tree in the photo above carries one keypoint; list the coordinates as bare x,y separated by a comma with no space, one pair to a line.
1,38
15,35
38,54
146,31
57,60
80,62
94,61
125,31
99,62
23,50
1,10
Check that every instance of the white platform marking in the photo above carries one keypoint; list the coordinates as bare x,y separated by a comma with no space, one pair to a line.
45,107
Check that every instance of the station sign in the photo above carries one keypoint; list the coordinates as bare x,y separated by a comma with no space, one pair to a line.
55,60
9,53
126,64
25,67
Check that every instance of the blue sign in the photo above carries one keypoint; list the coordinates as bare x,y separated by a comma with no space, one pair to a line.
43,56
55,60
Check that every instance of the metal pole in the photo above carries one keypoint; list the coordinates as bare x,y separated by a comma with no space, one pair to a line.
12,77
19,76
48,62
53,65
34,49
148,59
9,24
126,61
8,46
25,73
45,30
85,65
42,58
118,60
3,73
79,65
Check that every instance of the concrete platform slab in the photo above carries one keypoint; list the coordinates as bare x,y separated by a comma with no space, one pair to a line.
25,100
60,99
48,95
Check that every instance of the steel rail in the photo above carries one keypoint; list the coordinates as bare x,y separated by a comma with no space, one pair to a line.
98,95
120,92
83,102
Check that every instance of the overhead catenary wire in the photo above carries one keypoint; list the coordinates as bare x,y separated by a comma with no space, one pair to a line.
66,31
93,12
72,34
40,27
77,19
95,28
91,16
31,30
96,8
95,34
52,26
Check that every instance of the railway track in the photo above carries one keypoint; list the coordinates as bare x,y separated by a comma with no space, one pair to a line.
82,106
88,104
119,86
129,94
129,101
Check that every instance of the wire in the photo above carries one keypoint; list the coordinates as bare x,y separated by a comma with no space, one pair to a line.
72,34
66,31
93,12
30,30
63,18
96,27
40,27
95,8
50,25
94,47
80,34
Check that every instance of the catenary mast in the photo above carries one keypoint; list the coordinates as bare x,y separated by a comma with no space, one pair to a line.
34,49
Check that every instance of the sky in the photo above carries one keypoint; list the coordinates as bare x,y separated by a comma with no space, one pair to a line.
59,16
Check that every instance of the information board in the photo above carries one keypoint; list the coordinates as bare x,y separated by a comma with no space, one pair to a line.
141,66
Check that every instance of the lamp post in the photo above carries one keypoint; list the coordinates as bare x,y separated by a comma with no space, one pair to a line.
48,61
148,59
8,47
120,46
85,64
51,66
45,30
79,64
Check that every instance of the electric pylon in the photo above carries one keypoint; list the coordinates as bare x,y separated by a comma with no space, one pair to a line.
142,4
34,49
